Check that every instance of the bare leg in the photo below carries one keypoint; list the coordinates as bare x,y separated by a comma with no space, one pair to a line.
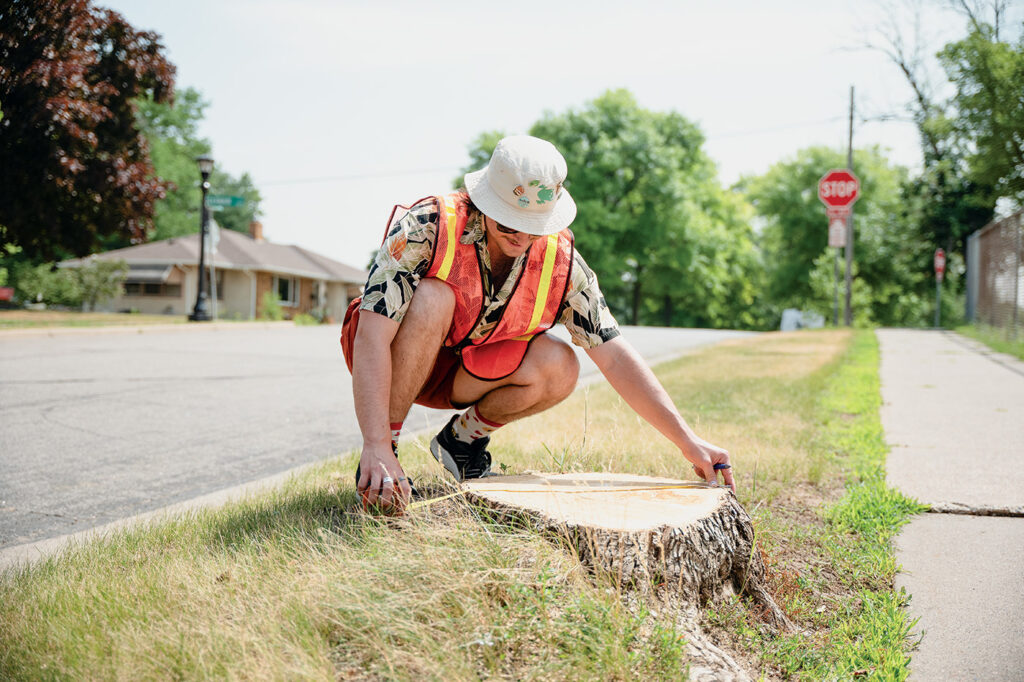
415,346
546,377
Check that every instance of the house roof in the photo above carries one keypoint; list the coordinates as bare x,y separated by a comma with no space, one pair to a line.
235,251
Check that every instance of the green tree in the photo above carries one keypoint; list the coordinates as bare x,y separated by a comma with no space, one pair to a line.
99,280
989,78
949,201
73,166
42,283
669,244
173,135
892,257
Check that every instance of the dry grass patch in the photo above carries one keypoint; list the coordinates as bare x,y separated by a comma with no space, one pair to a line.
753,396
300,585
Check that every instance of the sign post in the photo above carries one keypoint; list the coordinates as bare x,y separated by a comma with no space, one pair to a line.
838,190
940,271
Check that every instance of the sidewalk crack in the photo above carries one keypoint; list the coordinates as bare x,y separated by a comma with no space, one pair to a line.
1015,511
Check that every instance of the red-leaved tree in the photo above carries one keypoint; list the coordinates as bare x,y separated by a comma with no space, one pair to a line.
74,168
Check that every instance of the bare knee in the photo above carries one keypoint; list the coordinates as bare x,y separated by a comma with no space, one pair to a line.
429,316
552,366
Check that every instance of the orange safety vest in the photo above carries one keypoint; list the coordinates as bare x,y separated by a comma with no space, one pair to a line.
532,308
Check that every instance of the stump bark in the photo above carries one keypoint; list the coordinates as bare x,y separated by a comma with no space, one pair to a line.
694,539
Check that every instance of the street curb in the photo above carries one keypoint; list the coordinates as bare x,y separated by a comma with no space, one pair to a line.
28,553
141,328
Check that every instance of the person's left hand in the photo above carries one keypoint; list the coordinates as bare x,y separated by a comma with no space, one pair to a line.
708,460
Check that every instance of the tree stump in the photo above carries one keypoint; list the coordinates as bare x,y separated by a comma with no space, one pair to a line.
690,537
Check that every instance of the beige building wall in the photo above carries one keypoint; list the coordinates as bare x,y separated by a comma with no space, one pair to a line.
160,304
338,296
237,301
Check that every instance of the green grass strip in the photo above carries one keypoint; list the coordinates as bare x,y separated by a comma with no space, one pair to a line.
851,621
996,339
871,638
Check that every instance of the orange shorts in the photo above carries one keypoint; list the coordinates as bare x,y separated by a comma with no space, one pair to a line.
437,391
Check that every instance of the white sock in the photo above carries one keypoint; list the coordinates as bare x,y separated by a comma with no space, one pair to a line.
471,426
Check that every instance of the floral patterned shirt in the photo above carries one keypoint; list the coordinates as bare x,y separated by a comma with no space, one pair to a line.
405,255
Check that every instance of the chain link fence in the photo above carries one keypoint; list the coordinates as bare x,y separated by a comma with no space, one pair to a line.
995,275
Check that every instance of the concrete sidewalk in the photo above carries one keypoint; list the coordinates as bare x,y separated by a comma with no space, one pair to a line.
953,414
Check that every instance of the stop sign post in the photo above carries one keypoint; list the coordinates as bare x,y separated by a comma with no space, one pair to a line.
838,189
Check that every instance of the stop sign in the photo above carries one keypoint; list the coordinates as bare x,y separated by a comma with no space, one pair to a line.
838,188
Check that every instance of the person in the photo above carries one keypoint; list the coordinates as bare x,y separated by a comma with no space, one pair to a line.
454,315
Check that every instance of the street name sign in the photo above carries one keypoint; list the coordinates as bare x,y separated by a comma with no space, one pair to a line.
218,202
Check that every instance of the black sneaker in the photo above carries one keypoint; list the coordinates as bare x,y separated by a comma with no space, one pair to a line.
394,449
462,460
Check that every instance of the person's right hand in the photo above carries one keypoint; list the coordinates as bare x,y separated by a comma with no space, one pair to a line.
382,480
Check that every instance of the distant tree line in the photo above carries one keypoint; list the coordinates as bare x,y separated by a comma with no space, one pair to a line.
673,247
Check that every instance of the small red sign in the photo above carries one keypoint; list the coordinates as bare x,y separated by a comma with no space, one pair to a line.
838,188
940,263
6,293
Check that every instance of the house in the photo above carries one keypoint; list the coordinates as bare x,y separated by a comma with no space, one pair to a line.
162,277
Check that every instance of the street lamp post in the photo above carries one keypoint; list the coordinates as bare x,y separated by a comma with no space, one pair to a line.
201,312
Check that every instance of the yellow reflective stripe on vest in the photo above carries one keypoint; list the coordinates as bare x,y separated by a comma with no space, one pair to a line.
550,251
449,252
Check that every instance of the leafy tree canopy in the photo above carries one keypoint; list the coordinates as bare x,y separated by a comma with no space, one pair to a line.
73,166
989,77
892,257
669,244
173,135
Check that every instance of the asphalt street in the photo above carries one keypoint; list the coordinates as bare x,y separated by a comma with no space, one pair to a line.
99,425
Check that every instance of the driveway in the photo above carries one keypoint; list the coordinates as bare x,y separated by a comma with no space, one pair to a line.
99,425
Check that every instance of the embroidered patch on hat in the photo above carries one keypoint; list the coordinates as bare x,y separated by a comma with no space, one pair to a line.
525,201
545,194
518,191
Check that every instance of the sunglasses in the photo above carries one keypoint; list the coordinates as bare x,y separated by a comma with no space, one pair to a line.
508,230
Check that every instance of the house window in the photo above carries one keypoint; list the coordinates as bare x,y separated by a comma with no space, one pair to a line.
287,290
152,289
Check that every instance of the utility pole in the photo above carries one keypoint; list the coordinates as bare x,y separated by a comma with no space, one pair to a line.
849,223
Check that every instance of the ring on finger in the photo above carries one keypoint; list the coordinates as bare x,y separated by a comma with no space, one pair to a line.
388,479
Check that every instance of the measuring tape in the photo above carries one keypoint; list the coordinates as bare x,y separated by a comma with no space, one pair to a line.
673,486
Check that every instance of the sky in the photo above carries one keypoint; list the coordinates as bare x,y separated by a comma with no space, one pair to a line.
339,110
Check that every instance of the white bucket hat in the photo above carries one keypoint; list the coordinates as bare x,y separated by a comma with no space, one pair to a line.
521,186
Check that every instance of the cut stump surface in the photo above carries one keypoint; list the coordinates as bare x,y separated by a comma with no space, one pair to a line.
642,530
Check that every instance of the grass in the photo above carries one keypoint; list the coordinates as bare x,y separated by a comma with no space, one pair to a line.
996,339
299,584
833,575
22,319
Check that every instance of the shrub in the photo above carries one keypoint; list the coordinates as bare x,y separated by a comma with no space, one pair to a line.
270,307
42,284
305,319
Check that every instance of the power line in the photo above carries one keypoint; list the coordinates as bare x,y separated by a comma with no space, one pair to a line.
788,126
359,176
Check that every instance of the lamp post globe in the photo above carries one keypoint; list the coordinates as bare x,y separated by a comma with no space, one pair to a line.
201,312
